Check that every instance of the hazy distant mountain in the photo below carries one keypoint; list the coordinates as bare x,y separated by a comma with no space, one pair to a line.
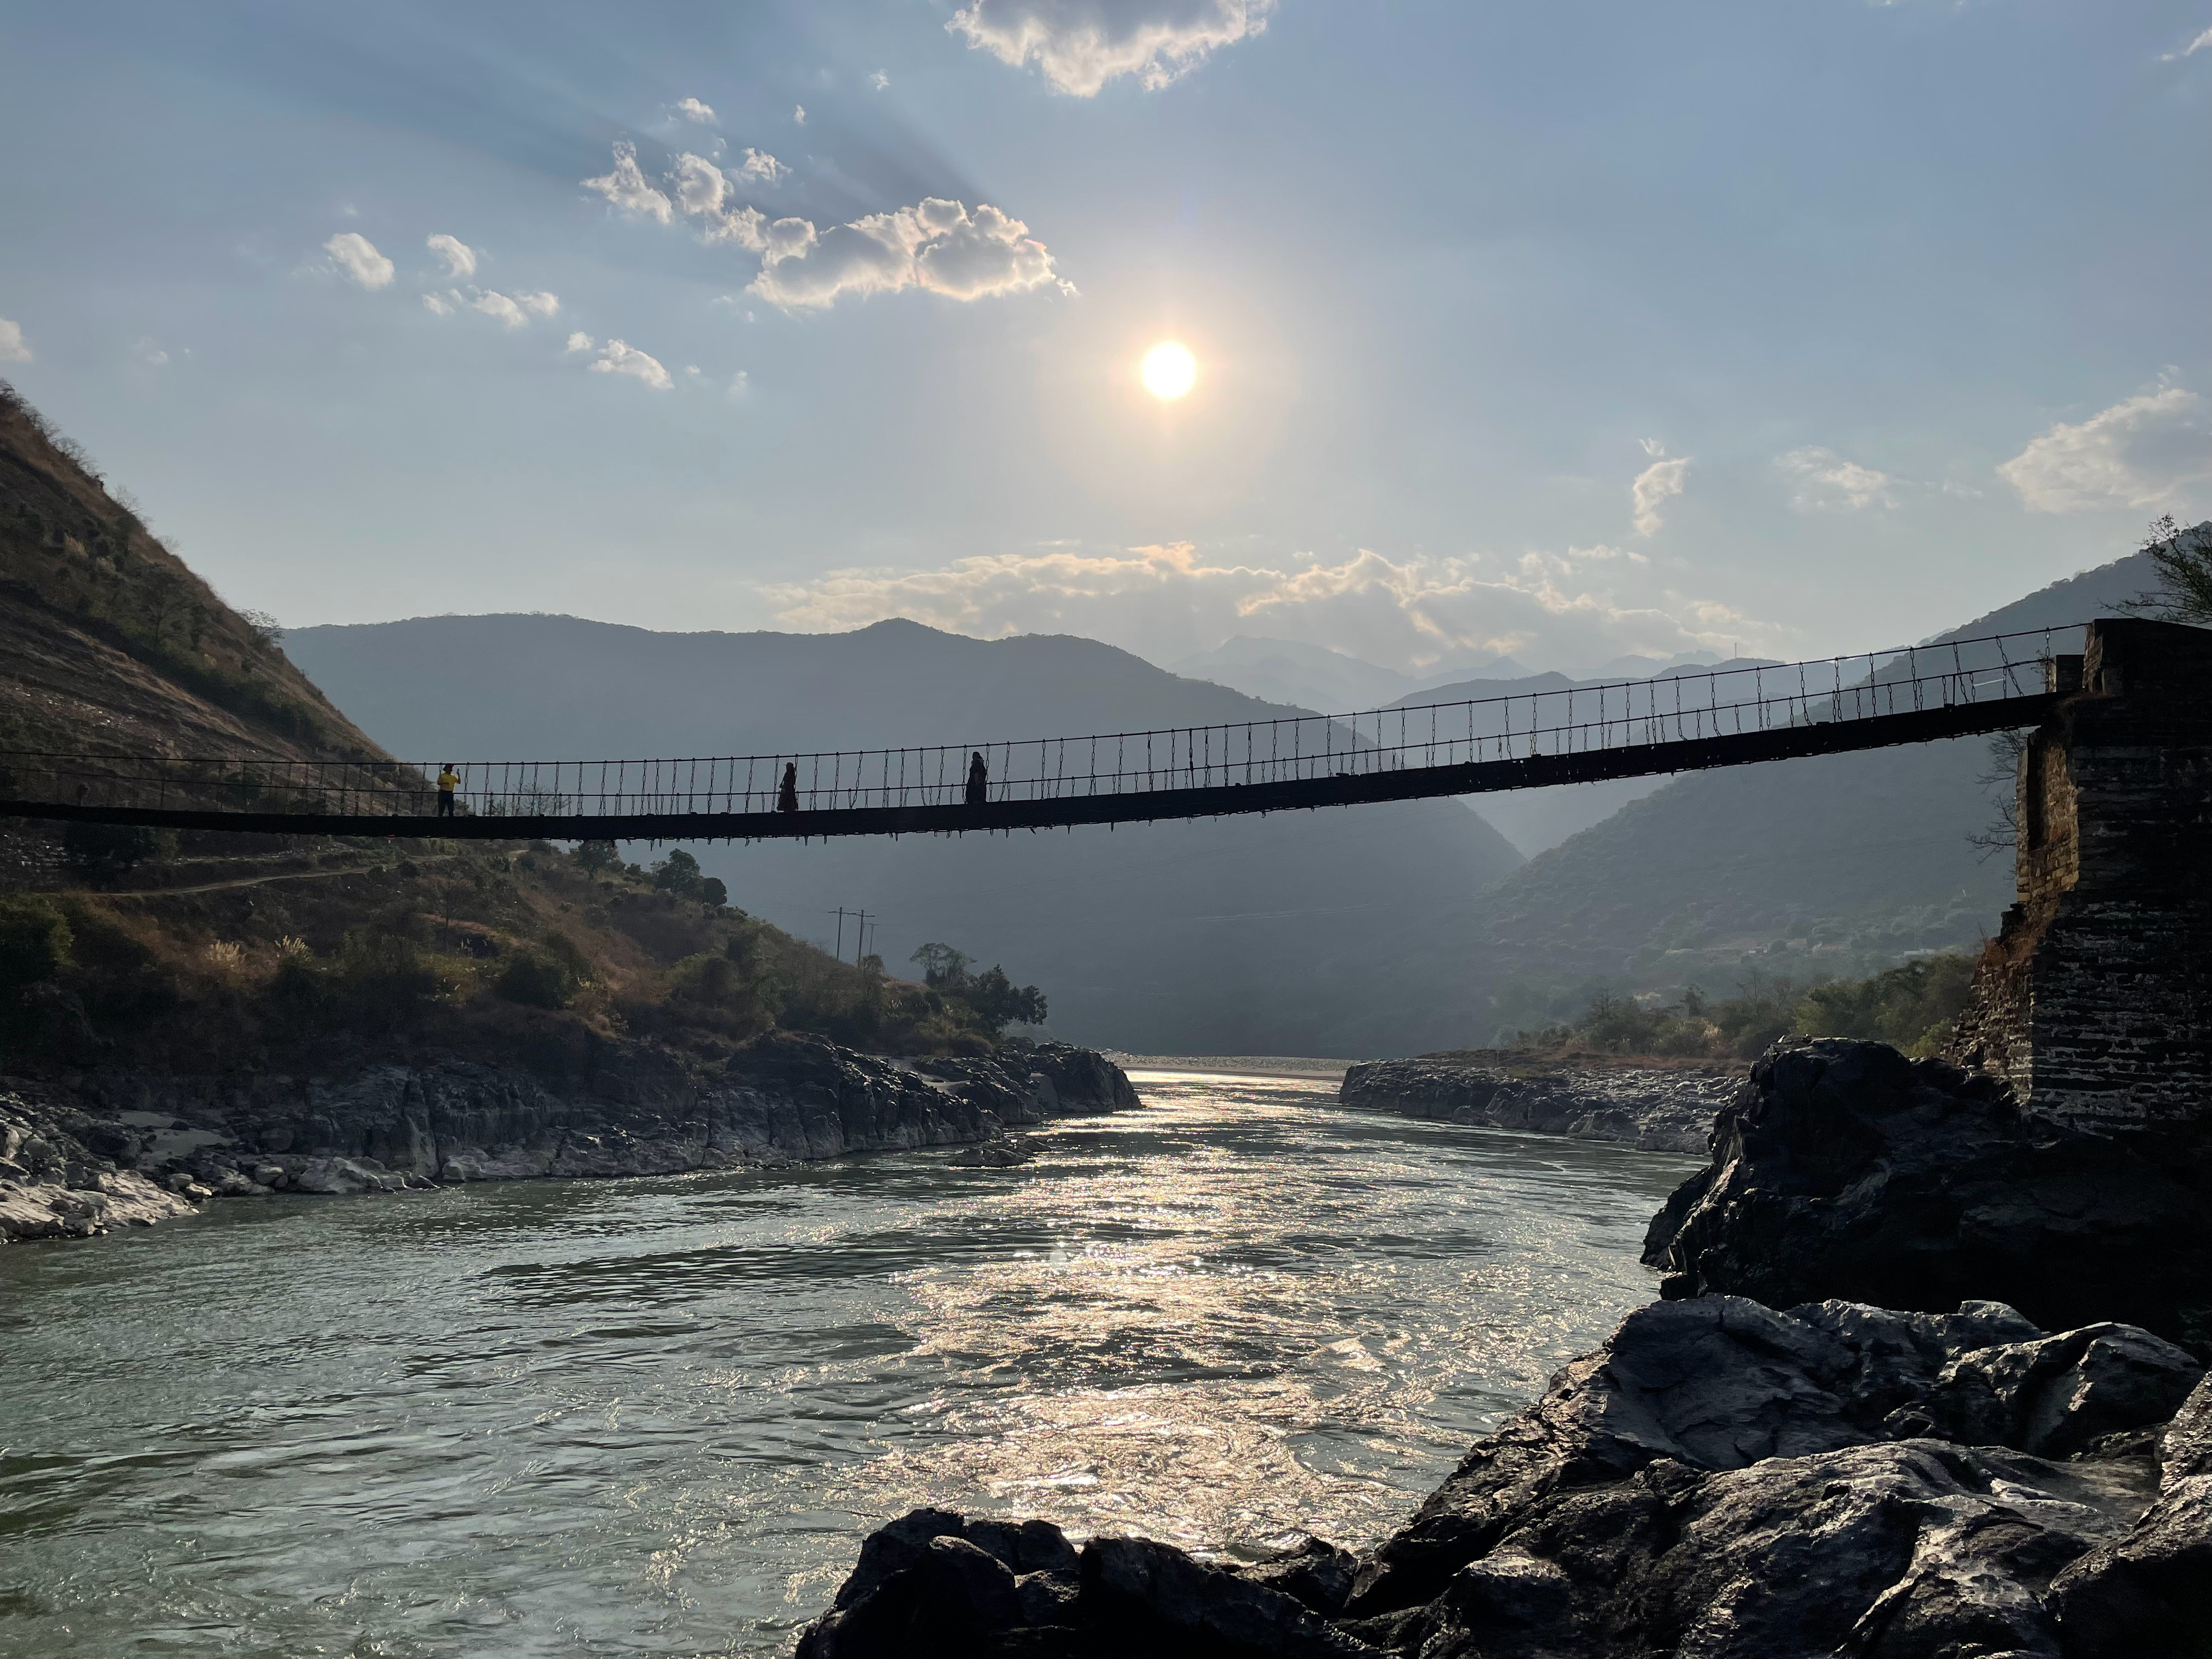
1228,936
1835,865
1315,677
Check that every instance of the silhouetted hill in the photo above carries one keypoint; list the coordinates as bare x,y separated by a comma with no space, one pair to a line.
1838,866
1230,936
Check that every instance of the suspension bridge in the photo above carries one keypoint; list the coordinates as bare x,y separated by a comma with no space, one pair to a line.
1635,728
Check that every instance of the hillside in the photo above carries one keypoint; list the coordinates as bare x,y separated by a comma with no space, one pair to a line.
1835,867
123,949
1229,936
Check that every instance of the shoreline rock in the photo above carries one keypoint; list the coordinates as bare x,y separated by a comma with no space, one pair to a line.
1650,1109
1842,1168
1719,1478
152,1146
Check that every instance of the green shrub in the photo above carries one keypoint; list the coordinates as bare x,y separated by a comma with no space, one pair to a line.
535,980
34,942
108,852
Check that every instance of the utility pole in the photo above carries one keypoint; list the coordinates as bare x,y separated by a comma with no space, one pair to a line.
841,933
860,940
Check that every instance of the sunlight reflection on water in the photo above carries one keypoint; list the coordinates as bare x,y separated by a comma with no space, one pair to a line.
657,1417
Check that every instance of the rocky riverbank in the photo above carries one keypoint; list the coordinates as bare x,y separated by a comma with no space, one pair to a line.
1843,1169
84,1155
1719,1480
1652,1108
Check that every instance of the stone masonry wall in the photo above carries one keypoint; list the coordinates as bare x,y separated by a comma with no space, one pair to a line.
2094,1002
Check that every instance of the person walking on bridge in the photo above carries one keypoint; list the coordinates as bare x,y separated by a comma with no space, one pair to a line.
448,781
786,792
979,780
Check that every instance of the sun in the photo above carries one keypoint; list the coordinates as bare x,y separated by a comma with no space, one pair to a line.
1169,370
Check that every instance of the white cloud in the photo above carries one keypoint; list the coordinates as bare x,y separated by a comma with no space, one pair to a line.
936,245
879,81
357,257
460,258
704,192
740,384
617,358
1654,485
580,341
2138,452
761,167
2201,43
13,349
1170,600
799,113
512,309
693,109
1080,44
146,350
1825,480
625,186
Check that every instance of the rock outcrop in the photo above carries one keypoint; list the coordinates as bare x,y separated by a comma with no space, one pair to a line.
1842,1169
1654,1109
54,1185
785,1098
1719,1480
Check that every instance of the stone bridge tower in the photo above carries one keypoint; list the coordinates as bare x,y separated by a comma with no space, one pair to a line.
2095,1001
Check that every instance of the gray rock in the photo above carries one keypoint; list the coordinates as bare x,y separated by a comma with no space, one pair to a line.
2150,1591
1842,1169
1649,1108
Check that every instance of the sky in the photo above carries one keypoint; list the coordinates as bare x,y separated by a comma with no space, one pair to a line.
1564,331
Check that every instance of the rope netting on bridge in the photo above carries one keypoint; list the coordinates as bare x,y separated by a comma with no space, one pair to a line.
1445,738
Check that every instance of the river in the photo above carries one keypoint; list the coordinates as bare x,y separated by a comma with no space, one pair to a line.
656,1417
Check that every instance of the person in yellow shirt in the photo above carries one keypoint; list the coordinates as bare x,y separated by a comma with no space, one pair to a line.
448,781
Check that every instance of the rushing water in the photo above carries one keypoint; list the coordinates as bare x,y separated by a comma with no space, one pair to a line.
656,1417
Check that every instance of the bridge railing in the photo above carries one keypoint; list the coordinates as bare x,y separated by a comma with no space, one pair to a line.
1623,714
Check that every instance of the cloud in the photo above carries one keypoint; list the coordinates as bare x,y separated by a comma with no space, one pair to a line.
693,109
2138,452
704,191
580,341
513,310
799,113
146,350
1654,485
879,81
1081,45
625,186
1825,480
740,384
936,245
762,167
13,349
2201,43
357,257
1166,601
460,258
616,358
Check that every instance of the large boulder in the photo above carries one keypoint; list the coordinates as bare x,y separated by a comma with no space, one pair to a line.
1843,1169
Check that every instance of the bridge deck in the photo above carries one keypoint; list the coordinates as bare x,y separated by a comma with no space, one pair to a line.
1633,729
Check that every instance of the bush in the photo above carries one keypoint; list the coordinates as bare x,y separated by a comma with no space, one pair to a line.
547,976
34,942
383,980
107,852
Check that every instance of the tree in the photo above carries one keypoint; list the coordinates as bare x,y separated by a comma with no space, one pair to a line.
105,852
713,893
2183,559
943,968
678,873
596,857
